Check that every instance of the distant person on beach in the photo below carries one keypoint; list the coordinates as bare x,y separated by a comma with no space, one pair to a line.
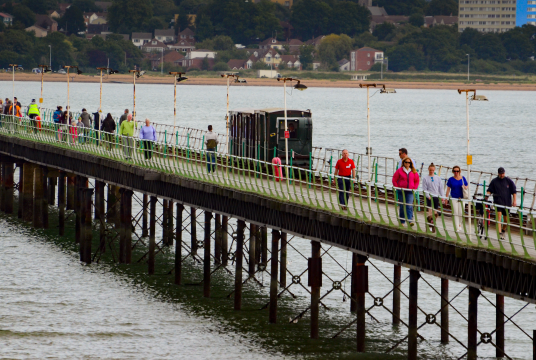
403,153
455,186
123,117
108,126
344,173
211,141
148,137
504,191
406,179
432,187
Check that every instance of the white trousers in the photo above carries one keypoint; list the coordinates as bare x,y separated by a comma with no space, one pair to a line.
457,211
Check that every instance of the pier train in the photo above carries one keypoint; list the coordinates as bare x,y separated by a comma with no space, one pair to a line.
260,134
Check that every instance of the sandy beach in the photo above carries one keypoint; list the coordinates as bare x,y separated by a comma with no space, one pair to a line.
127,79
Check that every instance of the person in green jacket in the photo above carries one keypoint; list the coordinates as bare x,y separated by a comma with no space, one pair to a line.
126,130
33,112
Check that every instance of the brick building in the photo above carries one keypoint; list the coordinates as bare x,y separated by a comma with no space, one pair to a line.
363,59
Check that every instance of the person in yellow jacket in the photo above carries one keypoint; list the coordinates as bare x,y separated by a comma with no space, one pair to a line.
33,112
126,131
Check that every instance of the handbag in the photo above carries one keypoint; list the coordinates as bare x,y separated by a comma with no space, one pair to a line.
465,189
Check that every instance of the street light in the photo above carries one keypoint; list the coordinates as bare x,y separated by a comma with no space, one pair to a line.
475,97
136,75
228,75
468,58
68,67
50,63
177,76
109,71
44,69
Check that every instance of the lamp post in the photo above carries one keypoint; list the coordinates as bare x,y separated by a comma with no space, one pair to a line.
44,69
136,75
13,104
177,77
228,75
50,63
475,97
109,71
468,62
68,67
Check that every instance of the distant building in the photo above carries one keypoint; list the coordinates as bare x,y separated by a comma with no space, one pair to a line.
363,59
46,22
316,41
271,43
236,64
140,39
182,45
360,77
291,62
294,45
97,28
39,31
7,19
344,65
171,57
392,19
187,34
166,36
103,5
430,21
201,53
154,45
62,8
526,12
488,15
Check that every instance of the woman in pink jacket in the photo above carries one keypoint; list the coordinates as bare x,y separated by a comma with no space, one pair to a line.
406,178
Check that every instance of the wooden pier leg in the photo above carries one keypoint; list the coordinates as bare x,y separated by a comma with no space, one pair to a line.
252,248
165,227
81,183
44,206
61,202
397,274
217,242
27,192
472,326
353,293
8,188
273,277
178,245
499,325
170,223
361,288
206,262
110,208
152,235
125,245
87,234
144,229
444,311
2,186
193,231
52,182
239,255
315,282
98,199
116,215
99,214
414,277
258,246
21,189
283,261
70,192
224,240
264,246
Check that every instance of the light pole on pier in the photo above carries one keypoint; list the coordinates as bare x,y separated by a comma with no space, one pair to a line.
228,75
44,69
136,75
468,62
50,63
68,67
110,72
177,77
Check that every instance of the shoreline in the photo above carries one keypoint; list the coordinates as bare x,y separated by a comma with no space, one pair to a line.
127,79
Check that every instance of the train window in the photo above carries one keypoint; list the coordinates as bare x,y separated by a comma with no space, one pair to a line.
292,128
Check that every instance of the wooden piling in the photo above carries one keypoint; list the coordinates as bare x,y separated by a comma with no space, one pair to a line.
110,204
315,282
165,228
353,293
100,215
21,186
39,195
86,230
44,206
264,246
70,192
206,260
152,235
178,245
81,183
61,202
239,255
125,242
499,325
144,229
8,188
224,240
444,311
217,239
52,182
397,274
273,277
252,248
193,231
361,288
27,192
170,223
2,186
283,261
472,326
414,277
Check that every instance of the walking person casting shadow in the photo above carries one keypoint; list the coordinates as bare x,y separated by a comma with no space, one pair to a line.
406,179
345,169
456,185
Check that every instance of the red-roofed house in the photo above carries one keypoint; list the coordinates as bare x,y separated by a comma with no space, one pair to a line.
169,57
183,45
7,19
236,64
154,45
363,59
430,21
271,43
290,61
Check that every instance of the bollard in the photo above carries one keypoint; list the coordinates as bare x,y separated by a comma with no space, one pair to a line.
283,261
178,245
206,262
152,235
239,255
273,277
444,311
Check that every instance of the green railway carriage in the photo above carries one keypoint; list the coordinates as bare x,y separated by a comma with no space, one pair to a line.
260,134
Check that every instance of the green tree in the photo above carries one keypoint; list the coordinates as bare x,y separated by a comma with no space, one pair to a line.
490,47
129,14
402,7
86,5
221,66
442,7
222,42
416,19
72,21
310,18
349,18
334,48
266,22
164,8
382,31
205,64
517,44
23,15
402,57
153,23
40,6
260,65
182,22
306,55
204,27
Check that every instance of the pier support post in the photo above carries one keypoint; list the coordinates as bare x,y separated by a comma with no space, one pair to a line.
414,277
283,261
353,293
80,184
44,206
27,192
125,242
499,325
397,274
8,187
224,243
39,195
86,231
193,231
152,235
21,189
170,223
360,280
61,202
70,192
178,245
315,282
2,187
144,229
217,237
264,246
273,277
206,261
165,225
52,182
99,214
252,248
444,311
472,326
239,255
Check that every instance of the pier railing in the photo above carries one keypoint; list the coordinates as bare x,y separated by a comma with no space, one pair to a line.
469,222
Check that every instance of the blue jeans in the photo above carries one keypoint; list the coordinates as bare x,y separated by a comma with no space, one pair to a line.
211,160
409,205
344,190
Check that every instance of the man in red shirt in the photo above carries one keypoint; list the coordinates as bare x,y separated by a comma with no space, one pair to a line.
345,169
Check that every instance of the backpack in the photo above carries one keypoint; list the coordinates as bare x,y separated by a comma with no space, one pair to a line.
57,115
211,144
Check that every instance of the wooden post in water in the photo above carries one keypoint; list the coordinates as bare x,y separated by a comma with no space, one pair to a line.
353,293
99,198
8,187
178,245
206,261
81,183
144,229
165,226
472,326
444,311
170,223
217,238
87,233
499,325
414,277
70,192
21,186
193,231
361,288
2,186
273,277
224,240
52,182
110,205
252,248
61,202
46,193
315,282
125,242
27,192
397,274
99,214
152,235
239,255
283,261
264,246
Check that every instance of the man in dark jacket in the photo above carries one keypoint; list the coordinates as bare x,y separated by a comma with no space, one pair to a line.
96,126
108,126
504,194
